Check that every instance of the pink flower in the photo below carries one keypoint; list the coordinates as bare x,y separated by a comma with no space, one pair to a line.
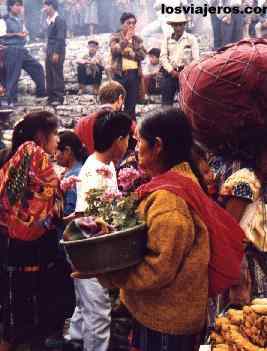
127,176
109,196
68,183
104,171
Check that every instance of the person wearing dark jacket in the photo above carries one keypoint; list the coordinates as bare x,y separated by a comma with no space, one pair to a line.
55,53
17,57
127,53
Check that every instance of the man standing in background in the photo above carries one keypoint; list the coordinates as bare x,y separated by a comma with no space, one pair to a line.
17,57
55,53
227,28
178,50
127,53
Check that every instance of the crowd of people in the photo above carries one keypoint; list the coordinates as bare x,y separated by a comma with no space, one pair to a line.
166,295
188,195
143,71
83,17
17,57
126,63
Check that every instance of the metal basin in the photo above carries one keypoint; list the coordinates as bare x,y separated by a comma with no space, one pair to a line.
107,253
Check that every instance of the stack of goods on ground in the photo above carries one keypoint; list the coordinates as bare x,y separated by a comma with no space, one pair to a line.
225,96
242,330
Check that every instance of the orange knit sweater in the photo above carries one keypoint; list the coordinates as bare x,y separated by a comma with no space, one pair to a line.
168,290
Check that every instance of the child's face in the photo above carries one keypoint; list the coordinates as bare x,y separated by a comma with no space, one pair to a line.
63,156
92,49
120,147
154,60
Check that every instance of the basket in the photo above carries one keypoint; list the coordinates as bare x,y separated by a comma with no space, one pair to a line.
107,253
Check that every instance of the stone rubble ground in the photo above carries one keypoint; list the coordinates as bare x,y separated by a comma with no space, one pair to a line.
75,105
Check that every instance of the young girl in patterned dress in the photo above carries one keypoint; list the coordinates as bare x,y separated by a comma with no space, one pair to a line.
38,292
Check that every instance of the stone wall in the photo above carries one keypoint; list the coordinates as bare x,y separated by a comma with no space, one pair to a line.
74,106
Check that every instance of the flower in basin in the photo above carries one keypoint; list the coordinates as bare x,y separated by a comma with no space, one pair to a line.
127,176
113,207
110,196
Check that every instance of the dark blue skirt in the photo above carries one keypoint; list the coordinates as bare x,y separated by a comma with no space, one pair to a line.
37,290
145,339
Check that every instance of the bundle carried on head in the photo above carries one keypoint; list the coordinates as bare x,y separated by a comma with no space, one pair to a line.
225,96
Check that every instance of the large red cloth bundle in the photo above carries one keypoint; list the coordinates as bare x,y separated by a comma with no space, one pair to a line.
225,96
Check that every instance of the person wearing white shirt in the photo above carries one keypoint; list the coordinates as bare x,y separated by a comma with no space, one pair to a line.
177,51
91,178
90,322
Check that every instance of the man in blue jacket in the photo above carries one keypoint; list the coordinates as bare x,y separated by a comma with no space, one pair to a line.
17,57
